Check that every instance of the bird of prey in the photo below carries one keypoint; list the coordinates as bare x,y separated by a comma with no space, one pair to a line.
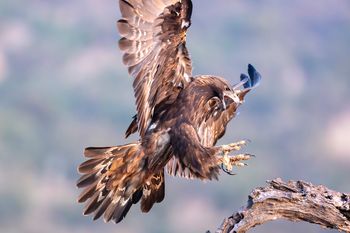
179,119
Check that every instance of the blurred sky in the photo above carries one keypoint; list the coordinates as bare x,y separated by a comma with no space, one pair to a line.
63,87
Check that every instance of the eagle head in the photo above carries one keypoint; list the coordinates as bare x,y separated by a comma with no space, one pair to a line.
229,94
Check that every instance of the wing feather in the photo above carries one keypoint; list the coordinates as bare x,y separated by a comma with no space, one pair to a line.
154,45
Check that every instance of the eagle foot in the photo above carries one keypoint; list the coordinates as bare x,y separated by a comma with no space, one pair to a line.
235,146
230,161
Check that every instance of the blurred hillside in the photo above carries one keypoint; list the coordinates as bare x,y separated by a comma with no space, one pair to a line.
63,87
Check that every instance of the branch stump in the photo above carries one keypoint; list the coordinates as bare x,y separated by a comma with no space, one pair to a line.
294,201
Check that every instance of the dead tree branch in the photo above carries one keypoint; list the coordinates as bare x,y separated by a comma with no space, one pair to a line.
294,201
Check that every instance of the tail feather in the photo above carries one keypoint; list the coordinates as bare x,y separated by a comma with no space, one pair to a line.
86,193
118,211
137,196
153,191
109,212
86,180
92,204
121,211
116,177
97,152
90,166
110,177
103,206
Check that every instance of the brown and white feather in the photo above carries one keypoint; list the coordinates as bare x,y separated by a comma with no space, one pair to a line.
154,46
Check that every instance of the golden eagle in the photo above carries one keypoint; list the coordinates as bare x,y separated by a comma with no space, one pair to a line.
179,117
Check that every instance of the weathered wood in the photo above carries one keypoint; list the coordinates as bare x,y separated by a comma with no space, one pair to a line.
294,201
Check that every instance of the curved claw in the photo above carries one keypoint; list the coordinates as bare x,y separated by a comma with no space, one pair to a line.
227,171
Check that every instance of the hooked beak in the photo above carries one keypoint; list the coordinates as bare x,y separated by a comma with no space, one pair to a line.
232,95
236,94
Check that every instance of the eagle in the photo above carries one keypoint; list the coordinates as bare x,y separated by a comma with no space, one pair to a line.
179,118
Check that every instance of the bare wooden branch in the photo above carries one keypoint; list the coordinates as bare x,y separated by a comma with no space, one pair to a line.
294,201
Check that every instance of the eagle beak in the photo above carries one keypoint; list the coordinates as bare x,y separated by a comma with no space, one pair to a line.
232,95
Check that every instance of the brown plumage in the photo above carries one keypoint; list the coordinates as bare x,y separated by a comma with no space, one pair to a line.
179,117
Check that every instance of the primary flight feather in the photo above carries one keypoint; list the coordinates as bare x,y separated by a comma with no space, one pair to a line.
179,116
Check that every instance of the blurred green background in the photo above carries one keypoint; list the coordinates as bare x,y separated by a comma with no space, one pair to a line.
63,87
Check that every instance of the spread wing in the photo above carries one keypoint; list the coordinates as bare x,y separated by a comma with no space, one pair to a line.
154,45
